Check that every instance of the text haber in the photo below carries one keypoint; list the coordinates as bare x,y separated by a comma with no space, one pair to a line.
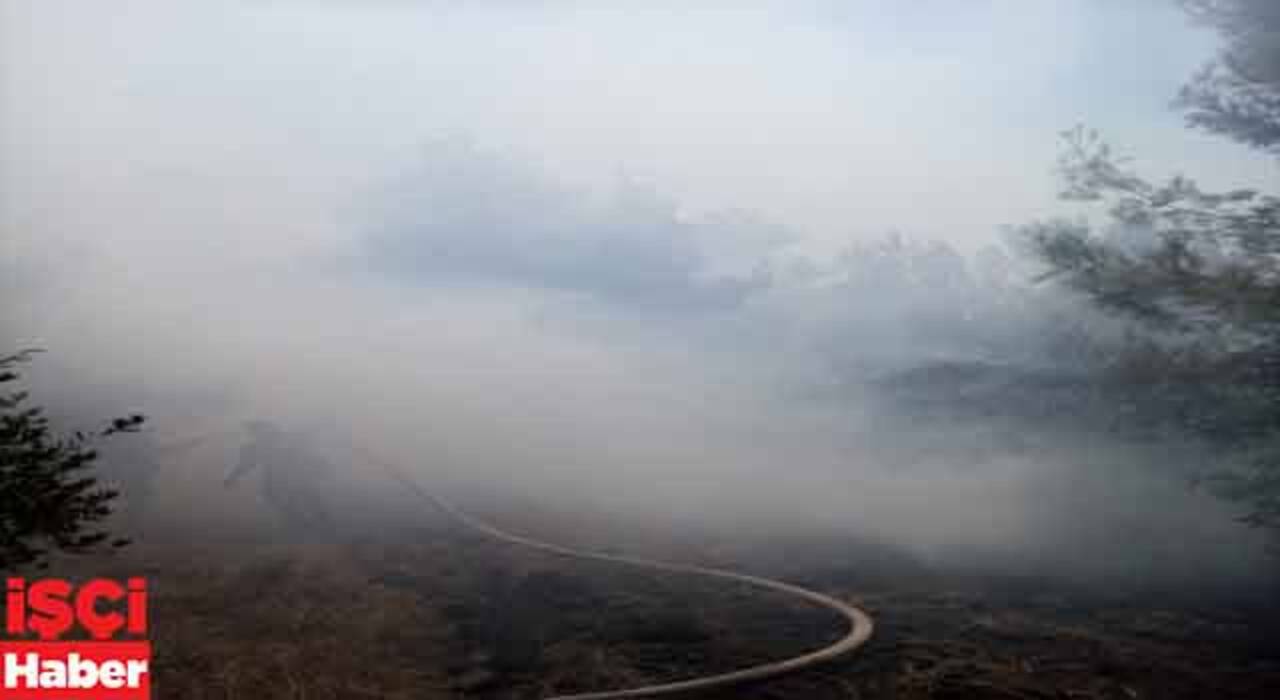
113,664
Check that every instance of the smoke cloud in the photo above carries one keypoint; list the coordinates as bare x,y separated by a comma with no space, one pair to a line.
613,261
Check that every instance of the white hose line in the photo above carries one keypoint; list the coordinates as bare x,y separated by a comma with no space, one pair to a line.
860,623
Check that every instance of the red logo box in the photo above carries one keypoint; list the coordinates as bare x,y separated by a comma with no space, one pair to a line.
75,670
114,663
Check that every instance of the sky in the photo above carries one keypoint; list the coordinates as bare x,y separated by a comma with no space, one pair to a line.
588,243
835,119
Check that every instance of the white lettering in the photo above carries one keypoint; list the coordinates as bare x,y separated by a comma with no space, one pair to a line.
137,669
111,674
29,672
53,674
80,673
26,672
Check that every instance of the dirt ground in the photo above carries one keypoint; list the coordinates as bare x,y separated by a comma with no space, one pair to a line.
432,611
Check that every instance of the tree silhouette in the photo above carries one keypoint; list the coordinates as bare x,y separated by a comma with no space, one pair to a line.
49,499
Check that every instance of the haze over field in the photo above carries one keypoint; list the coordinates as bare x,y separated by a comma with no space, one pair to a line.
629,260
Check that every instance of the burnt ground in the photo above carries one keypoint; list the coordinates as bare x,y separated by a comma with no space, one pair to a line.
432,611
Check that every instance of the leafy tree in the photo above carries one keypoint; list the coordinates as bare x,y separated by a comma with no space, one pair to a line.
1197,272
1200,272
49,500
1173,256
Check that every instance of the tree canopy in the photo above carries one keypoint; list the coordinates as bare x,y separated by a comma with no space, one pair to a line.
49,498
1196,272
1237,94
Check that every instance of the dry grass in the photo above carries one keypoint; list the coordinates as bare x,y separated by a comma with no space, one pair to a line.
430,612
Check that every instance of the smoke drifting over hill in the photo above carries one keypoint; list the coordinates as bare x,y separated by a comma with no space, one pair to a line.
280,221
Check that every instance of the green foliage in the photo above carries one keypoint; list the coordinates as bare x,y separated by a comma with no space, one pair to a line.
49,499
1198,275
1205,263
